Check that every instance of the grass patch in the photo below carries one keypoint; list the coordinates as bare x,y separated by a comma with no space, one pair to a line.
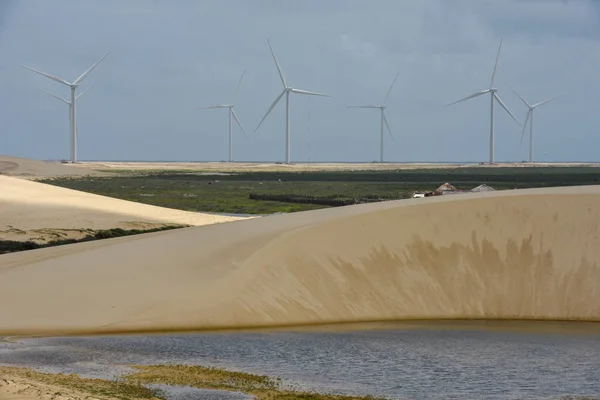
124,390
11,246
262,387
270,192
131,386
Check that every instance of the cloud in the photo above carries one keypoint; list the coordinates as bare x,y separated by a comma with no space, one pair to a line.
169,58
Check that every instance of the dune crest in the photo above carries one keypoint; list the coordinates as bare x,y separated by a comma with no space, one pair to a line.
524,254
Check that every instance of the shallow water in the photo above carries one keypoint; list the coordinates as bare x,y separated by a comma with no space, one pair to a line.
446,363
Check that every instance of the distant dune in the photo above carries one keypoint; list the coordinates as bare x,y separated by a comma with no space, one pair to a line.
35,211
27,168
269,167
531,253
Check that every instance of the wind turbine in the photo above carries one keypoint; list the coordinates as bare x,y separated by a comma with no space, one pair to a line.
73,85
493,96
70,104
286,90
232,114
530,119
383,118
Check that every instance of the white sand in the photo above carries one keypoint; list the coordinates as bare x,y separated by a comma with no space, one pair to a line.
34,211
507,254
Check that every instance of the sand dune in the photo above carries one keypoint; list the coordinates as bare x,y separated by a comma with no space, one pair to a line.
34,211
507,254
27,168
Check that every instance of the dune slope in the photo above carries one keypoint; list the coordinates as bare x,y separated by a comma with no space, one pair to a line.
507,254
35,211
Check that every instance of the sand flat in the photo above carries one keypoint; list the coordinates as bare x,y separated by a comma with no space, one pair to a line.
531,253
224,167
31,210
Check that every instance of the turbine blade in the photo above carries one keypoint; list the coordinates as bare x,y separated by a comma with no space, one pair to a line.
521,97
390,89
238,121
238,87
55,96
84,92
86,73
544,102
277,64
270,108
363,106
54,78
470,96
525,126
209,107
388,127
307,92
496,64
499,100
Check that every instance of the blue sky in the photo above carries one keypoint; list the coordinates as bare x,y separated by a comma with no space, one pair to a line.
170,57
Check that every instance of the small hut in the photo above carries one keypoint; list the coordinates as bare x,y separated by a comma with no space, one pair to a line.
483,188
446,188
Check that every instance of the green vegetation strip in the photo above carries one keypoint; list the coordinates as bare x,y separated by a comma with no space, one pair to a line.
132,386
10,246
262,387
271,192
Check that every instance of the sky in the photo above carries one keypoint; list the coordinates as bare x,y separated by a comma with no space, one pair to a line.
167,58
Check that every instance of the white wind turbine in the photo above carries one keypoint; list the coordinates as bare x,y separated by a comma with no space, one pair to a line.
72,108
286,90
70,104
383,118
493,96
530,119
232,114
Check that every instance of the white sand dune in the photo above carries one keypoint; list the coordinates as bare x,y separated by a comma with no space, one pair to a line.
507,254
27,168
32,210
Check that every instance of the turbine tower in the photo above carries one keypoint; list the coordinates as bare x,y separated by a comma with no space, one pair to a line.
73,101
232,114
286,91
383,118
530,119
493,96
70,104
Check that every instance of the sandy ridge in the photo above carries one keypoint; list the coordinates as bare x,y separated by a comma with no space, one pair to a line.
34,211
509,254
